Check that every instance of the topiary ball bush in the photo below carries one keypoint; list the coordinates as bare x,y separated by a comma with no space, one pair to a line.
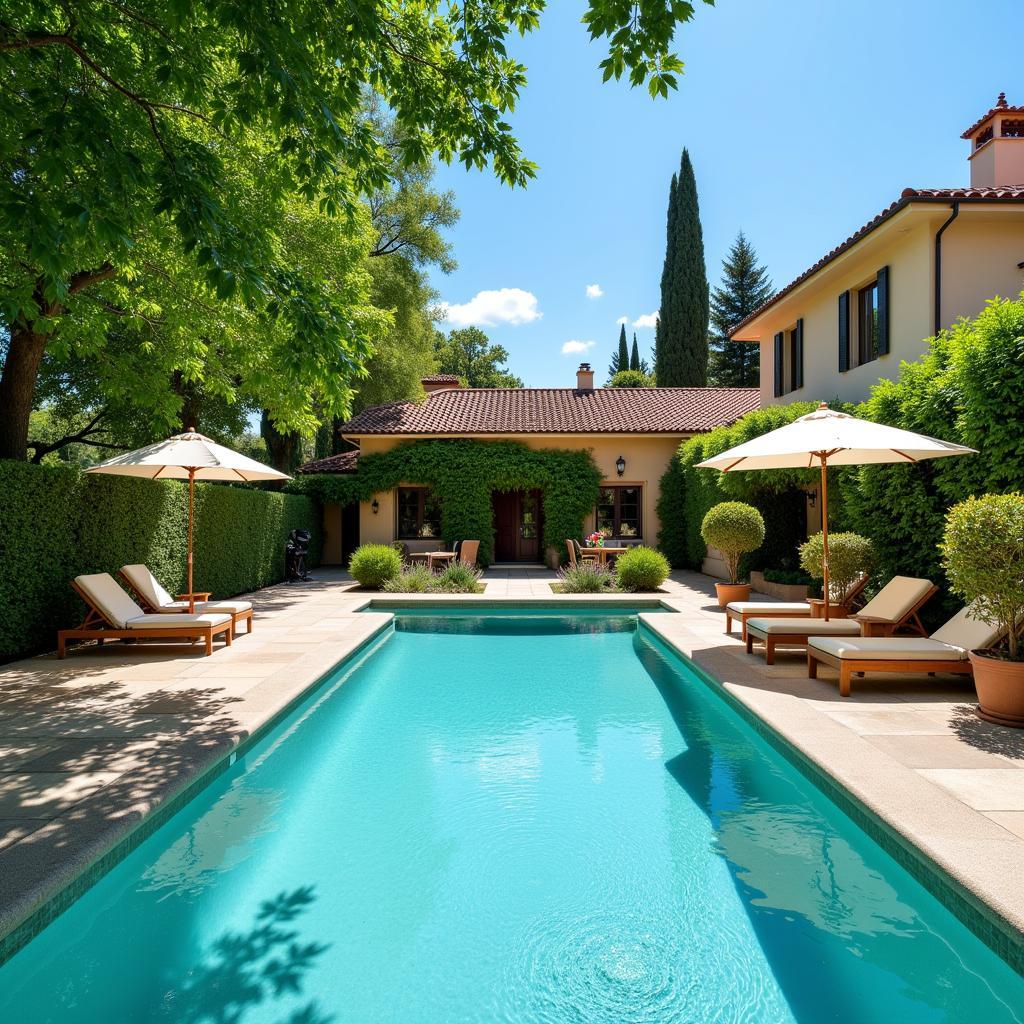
850,556
983,555
372,565
734,528
641,568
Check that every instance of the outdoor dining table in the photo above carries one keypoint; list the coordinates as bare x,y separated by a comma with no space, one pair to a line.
430,557
603,552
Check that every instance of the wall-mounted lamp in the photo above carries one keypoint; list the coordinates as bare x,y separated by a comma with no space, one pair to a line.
620,465
375,506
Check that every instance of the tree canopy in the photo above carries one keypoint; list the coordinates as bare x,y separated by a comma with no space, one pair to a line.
469,354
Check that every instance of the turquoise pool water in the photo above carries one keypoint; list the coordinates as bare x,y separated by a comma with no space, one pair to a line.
538,822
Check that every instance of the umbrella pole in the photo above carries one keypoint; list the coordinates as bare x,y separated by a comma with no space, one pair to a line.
824,527
191,508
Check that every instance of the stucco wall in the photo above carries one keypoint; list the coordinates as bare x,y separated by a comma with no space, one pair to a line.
647,458
980,253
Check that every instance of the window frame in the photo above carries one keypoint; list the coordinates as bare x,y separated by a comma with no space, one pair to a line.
618,488
867,354
422,492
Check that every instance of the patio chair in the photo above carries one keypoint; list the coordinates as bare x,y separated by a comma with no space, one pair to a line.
744,610
944,651
583,556
467,551
153,598
113,615
895,606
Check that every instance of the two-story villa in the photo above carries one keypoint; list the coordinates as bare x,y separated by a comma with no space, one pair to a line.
935,255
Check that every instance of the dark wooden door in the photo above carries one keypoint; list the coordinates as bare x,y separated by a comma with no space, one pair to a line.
517,526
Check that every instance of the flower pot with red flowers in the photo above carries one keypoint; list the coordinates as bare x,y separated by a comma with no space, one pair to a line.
983,554
734,528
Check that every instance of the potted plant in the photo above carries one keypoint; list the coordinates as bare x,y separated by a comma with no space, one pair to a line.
983,554
850,557
734,528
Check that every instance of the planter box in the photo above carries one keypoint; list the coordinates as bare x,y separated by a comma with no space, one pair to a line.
780,591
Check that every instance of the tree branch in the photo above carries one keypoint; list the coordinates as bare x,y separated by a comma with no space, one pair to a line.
83,436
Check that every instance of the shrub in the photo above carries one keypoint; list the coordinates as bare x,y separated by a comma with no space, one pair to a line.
734,528
586,578
414,579
790,577
641,568
372,565
631,379
983,554
850,556
59,523
459,578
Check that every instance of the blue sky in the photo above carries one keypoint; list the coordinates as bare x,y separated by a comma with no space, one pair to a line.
803,119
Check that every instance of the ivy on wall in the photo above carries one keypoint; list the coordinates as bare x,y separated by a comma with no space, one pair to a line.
463,472
58,523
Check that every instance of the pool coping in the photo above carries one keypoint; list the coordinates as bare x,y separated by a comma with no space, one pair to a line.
19,925
970,907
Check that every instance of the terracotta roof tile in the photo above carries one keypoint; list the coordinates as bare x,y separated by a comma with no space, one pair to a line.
1002,193
441,378
345,462
559,411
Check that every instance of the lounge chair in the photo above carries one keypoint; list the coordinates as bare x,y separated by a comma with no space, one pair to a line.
744,610
154,598
944,651
467,552
895,606
113,615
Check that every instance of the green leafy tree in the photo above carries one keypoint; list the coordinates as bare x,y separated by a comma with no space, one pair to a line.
631,379
745,287
469,354
163,125
681,338
620,357
636,363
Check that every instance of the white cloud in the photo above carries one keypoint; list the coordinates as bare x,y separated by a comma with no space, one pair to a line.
572,348
623,320
594,291
647,320
488,308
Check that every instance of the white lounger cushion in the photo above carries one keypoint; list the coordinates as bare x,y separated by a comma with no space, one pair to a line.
117,607
147,585
227,607
967,632
803,627
768,607
897,598
159,620
887,648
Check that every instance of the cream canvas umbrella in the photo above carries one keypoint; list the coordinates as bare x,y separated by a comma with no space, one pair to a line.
828,438
189,456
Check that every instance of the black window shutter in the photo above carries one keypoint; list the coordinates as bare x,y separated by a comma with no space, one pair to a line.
778,365
883,311
798,355
844,332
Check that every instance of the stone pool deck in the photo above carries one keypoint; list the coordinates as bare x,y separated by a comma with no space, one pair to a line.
93,747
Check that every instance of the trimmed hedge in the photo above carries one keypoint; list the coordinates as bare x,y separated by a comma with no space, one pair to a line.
463,473
57,523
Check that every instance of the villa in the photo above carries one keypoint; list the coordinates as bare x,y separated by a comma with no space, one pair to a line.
631,433
933,256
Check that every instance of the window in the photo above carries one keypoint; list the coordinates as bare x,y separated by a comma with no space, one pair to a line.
419,514
867,324
619,512
789,360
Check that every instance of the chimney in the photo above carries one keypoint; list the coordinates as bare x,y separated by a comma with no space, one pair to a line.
997,146
440,382
584,378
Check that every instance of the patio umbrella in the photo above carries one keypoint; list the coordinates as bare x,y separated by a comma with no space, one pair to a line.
190,456
829,438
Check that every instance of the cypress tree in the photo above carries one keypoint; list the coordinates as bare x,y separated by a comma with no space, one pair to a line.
745,287
635,362
681,339
620,358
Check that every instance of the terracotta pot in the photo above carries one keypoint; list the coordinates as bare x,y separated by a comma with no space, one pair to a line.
729,592
1000,686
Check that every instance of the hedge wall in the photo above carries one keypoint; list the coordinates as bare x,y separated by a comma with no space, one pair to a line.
56,523
463,473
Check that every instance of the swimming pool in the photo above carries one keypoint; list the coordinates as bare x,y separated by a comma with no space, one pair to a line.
529,819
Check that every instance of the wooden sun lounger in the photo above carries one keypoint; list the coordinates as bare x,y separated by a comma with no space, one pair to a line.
99,627
863,623
744,610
